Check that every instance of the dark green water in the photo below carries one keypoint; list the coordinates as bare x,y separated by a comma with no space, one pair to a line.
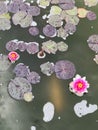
19,115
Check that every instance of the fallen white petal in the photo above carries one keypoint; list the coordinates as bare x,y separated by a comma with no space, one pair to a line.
81,108
48,111
42,37
33,128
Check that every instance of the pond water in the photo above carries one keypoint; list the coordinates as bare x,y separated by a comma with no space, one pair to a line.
21,115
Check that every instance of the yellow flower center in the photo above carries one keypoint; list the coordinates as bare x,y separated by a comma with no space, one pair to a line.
80,85
13,55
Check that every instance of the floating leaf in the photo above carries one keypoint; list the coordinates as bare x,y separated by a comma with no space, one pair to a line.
64,69
18,87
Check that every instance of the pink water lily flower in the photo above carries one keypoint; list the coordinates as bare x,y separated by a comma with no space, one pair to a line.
13,56
79,85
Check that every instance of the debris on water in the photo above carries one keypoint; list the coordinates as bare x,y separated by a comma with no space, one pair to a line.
42,37
41,54
33,128
44,16
96,59
33,23
59,118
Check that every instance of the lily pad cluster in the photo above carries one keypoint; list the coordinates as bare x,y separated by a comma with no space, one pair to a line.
20,88
49,47
30,47
63,69
23,71
62,19
19,12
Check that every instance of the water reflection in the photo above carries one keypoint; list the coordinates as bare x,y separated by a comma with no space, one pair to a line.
56,93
